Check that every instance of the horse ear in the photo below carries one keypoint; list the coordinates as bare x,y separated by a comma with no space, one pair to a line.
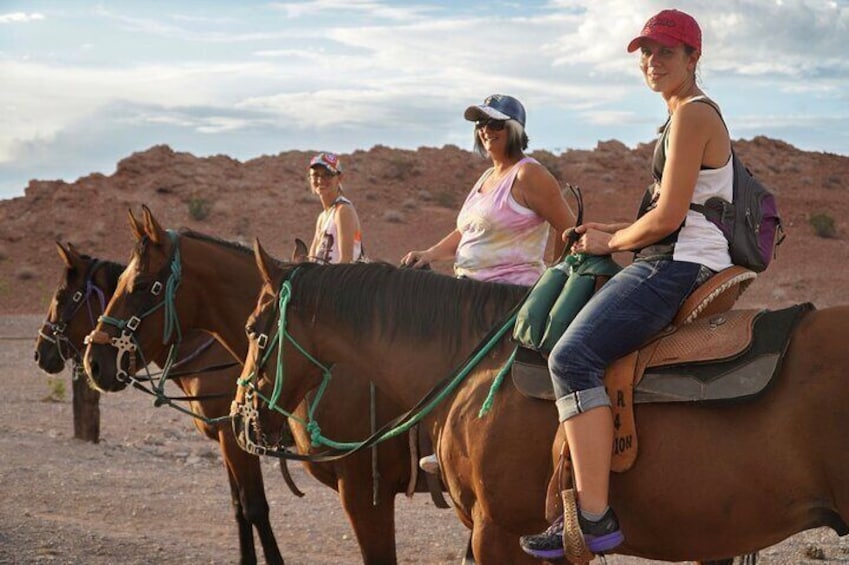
135,226
299,254
263,259
152,228
65,255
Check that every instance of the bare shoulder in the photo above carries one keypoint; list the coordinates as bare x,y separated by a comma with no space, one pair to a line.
533,172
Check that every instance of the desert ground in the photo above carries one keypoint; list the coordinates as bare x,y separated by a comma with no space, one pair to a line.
153,490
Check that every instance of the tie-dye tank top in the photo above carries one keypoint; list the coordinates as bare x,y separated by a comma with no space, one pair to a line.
501,240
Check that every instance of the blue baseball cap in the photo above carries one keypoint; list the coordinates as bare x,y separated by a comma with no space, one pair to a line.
499,107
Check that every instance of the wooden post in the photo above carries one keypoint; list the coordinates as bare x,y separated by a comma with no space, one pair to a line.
86,409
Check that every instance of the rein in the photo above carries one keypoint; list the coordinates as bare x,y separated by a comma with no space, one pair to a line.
127,343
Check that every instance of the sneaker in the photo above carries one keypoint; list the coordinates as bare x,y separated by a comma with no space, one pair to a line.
429,464
601,536
547,545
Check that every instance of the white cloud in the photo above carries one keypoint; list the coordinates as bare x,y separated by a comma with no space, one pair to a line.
394,73
20,17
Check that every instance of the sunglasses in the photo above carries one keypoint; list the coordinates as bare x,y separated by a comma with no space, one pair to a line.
491,123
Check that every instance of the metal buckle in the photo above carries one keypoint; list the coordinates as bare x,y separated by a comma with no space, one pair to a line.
262,341
77,296
133,323
156,288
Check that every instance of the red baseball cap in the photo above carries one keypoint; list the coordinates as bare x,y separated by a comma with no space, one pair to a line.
669,28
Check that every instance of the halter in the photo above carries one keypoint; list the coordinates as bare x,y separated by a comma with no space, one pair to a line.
57,335
127,343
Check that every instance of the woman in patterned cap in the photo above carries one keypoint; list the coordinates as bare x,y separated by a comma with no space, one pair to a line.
338,236
503,227
675,250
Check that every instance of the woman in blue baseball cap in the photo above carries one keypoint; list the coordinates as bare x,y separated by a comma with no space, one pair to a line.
338,235
503,227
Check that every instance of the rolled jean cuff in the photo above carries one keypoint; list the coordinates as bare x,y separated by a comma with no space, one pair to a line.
578,402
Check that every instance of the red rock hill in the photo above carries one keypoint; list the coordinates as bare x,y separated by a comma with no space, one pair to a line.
406,200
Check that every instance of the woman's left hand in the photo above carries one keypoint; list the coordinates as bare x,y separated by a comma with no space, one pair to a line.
592,241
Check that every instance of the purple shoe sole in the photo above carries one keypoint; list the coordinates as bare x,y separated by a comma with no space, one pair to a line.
603,544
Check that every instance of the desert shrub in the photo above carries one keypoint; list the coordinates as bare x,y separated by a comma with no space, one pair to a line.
393,217
199,208
409,204
446,199
55,389
823,225
400,167
25,274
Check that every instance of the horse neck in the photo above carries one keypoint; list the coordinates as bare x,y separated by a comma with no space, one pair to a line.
405,367
222,286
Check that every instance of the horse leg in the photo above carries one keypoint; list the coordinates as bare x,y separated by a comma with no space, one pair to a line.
249,502
374,525
492,543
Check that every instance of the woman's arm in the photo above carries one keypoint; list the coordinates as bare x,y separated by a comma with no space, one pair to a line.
347,226
537,189
445,250
691,129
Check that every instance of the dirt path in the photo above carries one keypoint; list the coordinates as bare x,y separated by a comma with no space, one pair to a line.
154,491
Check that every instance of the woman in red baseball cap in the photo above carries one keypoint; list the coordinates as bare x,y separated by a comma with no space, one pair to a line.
675,250
338,235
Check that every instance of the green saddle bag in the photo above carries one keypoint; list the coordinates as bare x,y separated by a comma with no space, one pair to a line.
557,297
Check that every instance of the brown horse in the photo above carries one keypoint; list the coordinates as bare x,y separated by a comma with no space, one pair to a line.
86,286
217,291
710,481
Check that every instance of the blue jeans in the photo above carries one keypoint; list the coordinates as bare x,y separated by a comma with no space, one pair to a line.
631,307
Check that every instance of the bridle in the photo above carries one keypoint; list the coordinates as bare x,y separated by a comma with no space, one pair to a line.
56,331
161,295
127,343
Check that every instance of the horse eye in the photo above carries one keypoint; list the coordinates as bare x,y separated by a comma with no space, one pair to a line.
249,331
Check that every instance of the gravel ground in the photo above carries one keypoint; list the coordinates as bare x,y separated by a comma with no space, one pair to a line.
154,491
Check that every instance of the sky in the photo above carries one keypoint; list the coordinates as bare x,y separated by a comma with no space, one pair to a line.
84,84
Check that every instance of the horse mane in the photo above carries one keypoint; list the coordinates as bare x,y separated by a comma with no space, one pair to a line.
402,303
112,269
234,245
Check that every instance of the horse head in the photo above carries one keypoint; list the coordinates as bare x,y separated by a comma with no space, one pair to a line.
278,370
139,321
79,298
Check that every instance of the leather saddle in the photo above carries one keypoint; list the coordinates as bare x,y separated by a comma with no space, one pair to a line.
709,353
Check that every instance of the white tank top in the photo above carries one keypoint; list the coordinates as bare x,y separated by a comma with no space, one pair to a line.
328,248
700,241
